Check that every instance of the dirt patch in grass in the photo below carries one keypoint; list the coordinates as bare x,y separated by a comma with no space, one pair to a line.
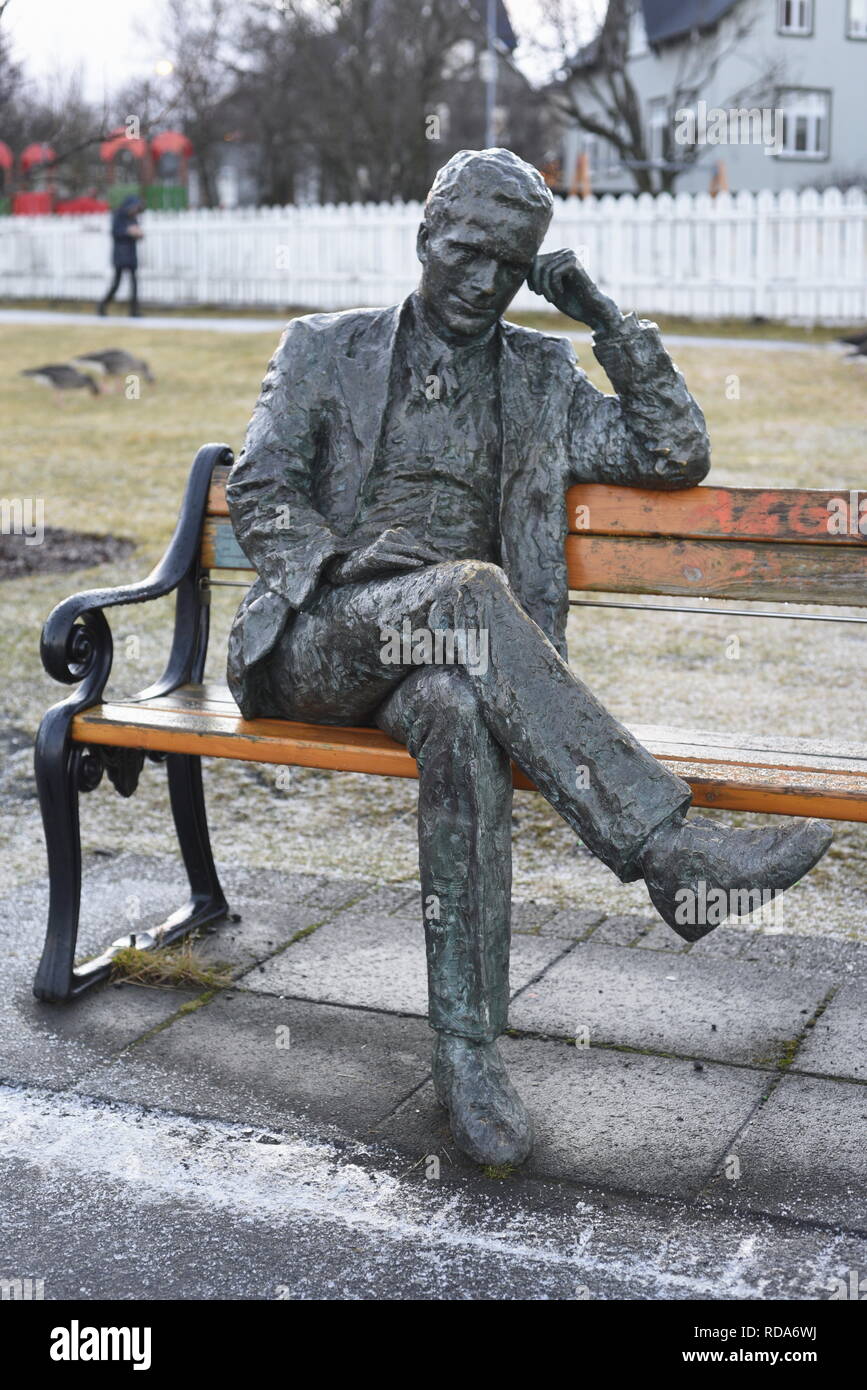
57,550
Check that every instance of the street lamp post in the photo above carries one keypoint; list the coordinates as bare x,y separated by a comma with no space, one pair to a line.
489,74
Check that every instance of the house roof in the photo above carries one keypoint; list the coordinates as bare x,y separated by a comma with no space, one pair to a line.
505,32
668,19
663,20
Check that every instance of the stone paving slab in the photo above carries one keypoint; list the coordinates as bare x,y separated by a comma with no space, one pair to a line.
620,931
260,933
54,1044
377,962
268,1062
120,894
659,937
604,1118
720,1009
803,1155
730,942
837,1045
573,924
828,958
530,916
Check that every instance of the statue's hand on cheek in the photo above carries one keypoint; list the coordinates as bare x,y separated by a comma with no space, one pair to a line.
561,279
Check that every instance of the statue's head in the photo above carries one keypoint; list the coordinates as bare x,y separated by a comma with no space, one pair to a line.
484,220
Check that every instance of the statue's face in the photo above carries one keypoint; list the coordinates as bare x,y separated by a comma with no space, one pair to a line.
474,261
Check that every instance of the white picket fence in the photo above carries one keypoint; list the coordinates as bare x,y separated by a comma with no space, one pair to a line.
785,256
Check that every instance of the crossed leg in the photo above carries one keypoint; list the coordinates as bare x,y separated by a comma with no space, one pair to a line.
333,666
464,723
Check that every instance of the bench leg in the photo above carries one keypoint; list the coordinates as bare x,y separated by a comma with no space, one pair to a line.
206,903
61,770
187,796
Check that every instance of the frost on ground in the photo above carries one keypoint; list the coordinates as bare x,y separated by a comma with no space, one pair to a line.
128,1158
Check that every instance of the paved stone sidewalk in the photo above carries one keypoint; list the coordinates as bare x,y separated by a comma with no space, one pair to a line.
704,1139
241,323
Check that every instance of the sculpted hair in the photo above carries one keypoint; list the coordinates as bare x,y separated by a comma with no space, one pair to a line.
497,175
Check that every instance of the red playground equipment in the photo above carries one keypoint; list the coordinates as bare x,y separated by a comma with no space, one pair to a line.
6,162
36,164
156,171
171,152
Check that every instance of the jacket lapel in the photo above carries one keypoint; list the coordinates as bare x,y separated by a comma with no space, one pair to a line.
534,399
363,382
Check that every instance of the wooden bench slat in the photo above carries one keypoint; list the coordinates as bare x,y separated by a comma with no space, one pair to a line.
784,573
687,745
217,493
204,720
700,745
698,513
715,513
769,571
220,549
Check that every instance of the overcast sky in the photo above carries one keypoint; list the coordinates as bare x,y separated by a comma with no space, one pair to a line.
100,36
112,40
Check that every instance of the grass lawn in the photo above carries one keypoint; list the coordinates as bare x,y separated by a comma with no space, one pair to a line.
118,466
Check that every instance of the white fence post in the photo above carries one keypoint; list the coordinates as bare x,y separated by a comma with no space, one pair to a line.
787,255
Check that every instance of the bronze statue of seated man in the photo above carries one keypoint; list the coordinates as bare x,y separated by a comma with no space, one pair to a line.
401,494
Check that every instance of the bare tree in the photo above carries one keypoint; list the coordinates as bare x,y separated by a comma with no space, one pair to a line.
374,76
54,112
372,95
199,36
595,90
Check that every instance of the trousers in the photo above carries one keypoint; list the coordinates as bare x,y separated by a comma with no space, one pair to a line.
115,285
447,661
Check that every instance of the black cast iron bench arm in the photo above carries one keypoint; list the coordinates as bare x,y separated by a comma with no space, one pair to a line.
76,645
77,649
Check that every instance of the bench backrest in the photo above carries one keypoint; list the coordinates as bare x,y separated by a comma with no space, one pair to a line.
781,544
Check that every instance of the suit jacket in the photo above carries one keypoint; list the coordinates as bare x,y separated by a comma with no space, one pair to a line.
293,492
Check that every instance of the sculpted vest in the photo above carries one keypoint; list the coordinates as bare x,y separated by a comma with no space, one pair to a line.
344,361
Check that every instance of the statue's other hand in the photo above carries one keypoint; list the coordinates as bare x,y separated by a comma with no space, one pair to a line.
561,279
392,551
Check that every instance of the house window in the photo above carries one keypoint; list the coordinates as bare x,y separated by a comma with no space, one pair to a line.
657,123
638,45
602,156
610,158
805,124
795,17
856,19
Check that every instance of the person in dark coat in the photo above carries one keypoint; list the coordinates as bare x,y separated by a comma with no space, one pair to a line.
125,233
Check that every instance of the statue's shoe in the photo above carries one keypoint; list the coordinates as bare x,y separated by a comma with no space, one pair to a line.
698,873
489,1121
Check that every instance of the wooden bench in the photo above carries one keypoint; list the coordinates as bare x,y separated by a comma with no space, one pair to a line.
710,542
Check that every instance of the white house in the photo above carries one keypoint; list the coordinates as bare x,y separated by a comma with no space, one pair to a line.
790,77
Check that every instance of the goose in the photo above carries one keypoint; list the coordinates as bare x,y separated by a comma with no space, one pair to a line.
855,340
61,377
857,352
114,362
